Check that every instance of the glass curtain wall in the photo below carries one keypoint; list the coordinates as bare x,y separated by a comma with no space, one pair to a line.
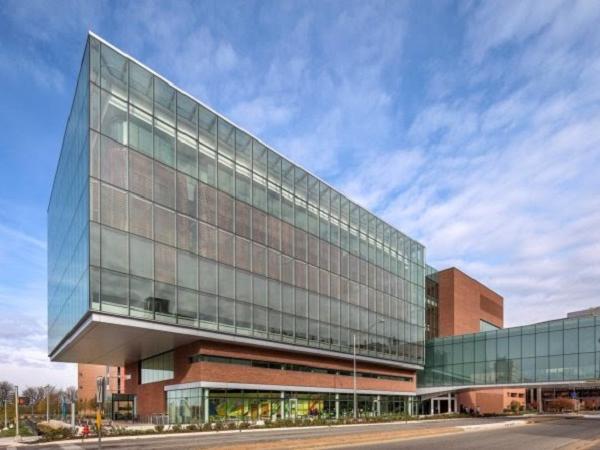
432,299
556,351
68,225
188,405
196,223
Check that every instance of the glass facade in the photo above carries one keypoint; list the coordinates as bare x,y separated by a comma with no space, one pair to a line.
432,300
556,351
188,405
68,224
194,222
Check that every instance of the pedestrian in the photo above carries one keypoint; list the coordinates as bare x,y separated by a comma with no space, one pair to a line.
85,432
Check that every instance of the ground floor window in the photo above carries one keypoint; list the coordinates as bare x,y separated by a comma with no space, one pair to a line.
199,405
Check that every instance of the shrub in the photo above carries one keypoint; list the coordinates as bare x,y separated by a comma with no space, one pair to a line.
176,428
192,427
50,433
244,425
218,426
159,428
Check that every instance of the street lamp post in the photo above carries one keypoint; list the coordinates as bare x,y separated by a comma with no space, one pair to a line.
355,400
17,436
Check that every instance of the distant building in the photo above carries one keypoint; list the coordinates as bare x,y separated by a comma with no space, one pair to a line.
590,312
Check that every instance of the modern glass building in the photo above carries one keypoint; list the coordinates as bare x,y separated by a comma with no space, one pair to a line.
168,221
231,283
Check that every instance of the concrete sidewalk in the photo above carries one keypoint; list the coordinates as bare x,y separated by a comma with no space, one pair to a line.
304,437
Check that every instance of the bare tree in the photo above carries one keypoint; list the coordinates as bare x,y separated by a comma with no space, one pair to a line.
71,393
5,391
34,395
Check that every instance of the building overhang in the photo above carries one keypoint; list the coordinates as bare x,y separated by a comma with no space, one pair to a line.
105,339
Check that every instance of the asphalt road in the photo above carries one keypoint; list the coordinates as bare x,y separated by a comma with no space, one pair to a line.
550,433
564,434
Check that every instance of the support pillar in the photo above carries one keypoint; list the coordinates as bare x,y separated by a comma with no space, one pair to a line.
431,402
540,400
205,393
337,406
282,406
378,410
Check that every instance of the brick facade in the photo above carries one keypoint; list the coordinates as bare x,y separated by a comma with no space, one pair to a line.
151,396
463,303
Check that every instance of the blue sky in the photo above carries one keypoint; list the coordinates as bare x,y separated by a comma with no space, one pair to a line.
472,126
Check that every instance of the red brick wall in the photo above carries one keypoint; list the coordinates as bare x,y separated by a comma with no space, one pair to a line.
464,301
151,397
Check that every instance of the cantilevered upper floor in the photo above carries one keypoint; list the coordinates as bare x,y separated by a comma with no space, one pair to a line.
168,223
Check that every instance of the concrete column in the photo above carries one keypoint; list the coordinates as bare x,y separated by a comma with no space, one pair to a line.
431,402
205,393
449,402
337,406
282,406
378,405
540,400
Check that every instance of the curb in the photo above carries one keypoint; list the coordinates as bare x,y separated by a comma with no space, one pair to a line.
494,426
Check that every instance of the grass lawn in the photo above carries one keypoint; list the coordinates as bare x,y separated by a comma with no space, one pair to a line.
23,431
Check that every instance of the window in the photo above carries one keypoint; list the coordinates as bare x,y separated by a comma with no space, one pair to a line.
157,368
207,241
140,174
187,234
113,119
140,87
207,127
140,131
114,251
187,155
113,163
226,282
164,101
187,195
141,296
487,326
207,310
226,138
164,225
164,143
187,307
113,207
207,271
207,203
164,258
164,185
114,291
243,149
113,72
207,166
187,270
140,216
165,302
187,115
142,257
